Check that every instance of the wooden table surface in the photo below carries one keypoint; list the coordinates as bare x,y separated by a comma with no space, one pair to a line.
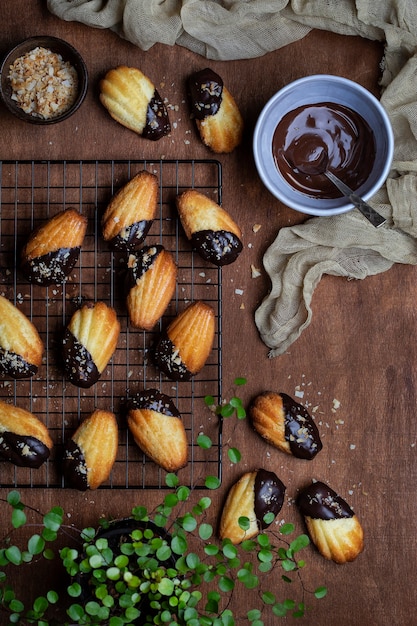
355,364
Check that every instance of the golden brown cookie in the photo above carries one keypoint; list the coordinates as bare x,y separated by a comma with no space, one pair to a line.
53,249
158,429
21,347
24,439
151,281
90,340
91,452
132,100
215,111
285,424
210,229
332,525
131,211
255,495
184,347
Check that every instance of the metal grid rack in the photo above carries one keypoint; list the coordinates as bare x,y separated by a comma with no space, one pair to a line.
32,191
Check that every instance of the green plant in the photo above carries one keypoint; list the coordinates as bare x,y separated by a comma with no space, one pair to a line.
169,570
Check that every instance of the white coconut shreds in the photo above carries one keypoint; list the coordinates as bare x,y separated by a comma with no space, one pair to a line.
43,84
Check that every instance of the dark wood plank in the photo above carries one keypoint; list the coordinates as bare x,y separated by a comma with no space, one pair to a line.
353,367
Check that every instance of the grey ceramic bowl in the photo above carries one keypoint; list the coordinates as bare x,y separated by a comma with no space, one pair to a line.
316,89
68,53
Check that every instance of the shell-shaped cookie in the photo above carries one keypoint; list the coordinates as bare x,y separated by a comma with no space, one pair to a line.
158,429
216,113
132,100
184,347
285,424
253,496
151,280
129,214
90,340
212,231
332,525
53,249
21,347
24,439
91,452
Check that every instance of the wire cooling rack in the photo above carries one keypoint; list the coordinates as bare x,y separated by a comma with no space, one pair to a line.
31,192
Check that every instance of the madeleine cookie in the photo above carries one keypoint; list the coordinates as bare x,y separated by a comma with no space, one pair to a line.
151,281
21,347
158,430
90,340
285,424
132,100
130,213
332,525
91,452
215,111
53,249
254,496
24,439
185,345
210,229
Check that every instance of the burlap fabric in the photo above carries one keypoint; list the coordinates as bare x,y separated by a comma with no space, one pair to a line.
345,245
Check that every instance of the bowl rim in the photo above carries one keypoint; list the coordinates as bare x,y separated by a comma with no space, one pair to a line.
68,52
305,81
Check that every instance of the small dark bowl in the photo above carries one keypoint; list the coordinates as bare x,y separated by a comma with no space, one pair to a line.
54,44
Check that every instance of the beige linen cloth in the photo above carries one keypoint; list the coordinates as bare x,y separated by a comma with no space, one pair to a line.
345,245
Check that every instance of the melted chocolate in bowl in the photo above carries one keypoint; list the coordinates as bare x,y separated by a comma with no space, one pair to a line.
313,138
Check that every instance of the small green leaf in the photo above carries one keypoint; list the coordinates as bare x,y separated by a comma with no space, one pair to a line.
212,482
205,531
234,455
40,605
171,480
13,498
244,522
226,584
36,544
204,442
320,592
14,555
238,382
287,529
226,410
209,401
18,518
299,543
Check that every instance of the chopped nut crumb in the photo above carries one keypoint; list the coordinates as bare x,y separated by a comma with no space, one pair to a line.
43,84
256,227
255,271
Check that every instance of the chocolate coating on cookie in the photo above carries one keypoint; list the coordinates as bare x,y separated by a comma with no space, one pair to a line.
319,501
23,450
154,400
52,268
220,247
14,365
131,236
167,358
269,495
300,430
157,120
75,466
206,89
140,262
78,362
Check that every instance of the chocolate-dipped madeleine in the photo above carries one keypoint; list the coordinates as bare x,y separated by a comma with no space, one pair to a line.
89,342
21,347
129,214
53,249
91,452
158,429
24,439
285,424
184,347
253,496
215,111
133,101
151,281
210,229
332,525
